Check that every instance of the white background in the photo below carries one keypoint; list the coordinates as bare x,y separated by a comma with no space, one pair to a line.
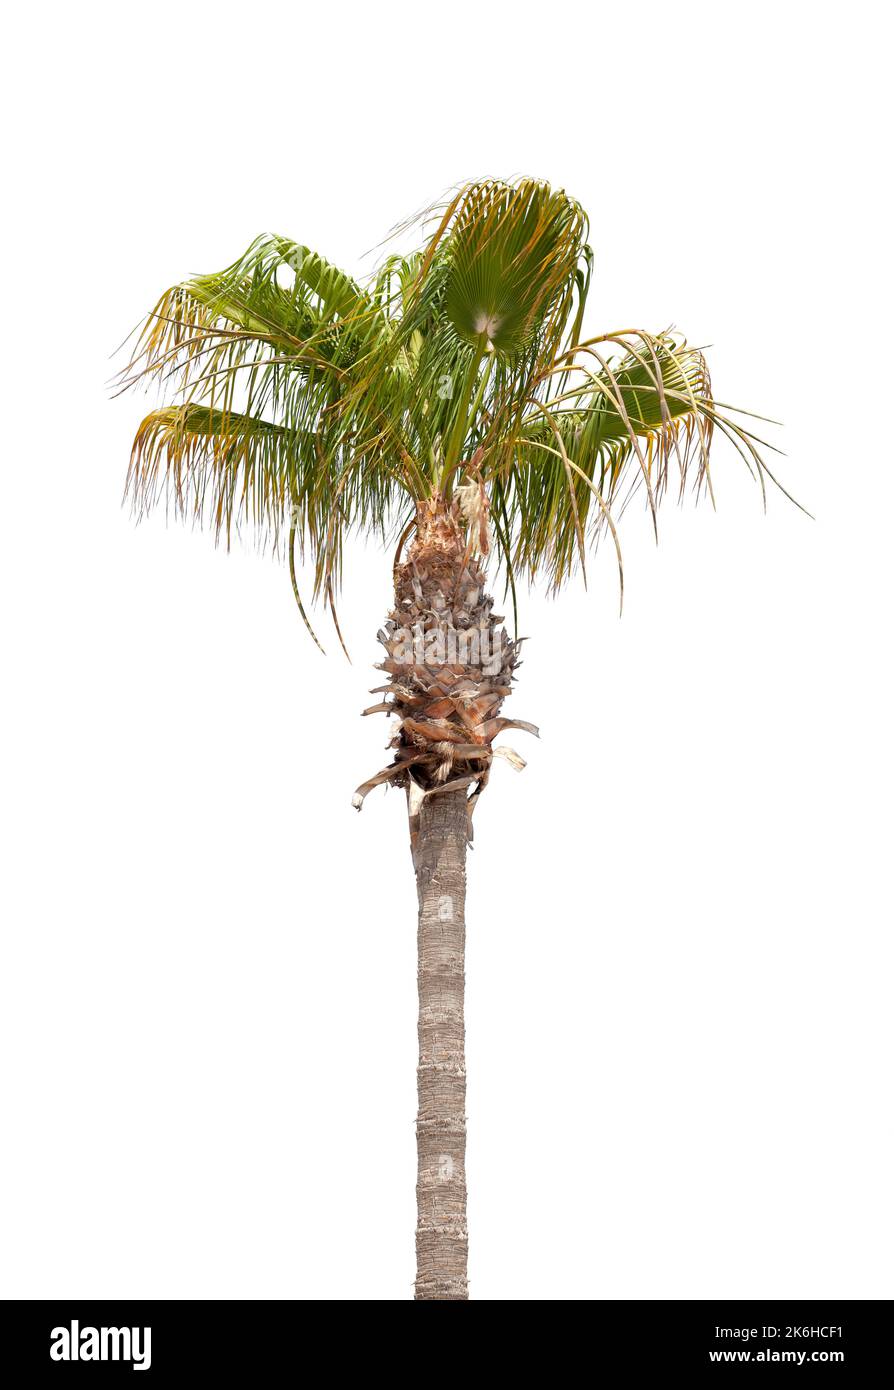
679,961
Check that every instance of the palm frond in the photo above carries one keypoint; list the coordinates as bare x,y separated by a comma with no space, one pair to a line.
279,304
510,254
612,416
230,471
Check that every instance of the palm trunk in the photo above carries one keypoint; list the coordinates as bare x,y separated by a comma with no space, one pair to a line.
441,1234
450,666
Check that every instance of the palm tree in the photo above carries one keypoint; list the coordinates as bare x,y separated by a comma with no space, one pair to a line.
453,408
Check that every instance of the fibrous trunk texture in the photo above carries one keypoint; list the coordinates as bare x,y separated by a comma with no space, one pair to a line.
450,666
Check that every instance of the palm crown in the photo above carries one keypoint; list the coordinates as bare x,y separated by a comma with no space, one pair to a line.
309,405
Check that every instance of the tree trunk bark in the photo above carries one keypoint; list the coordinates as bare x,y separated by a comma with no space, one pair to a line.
441,1234
450,666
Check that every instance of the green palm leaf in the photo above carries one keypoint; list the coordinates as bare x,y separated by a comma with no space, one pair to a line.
510,257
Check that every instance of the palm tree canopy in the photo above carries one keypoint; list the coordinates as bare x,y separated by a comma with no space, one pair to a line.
306,405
